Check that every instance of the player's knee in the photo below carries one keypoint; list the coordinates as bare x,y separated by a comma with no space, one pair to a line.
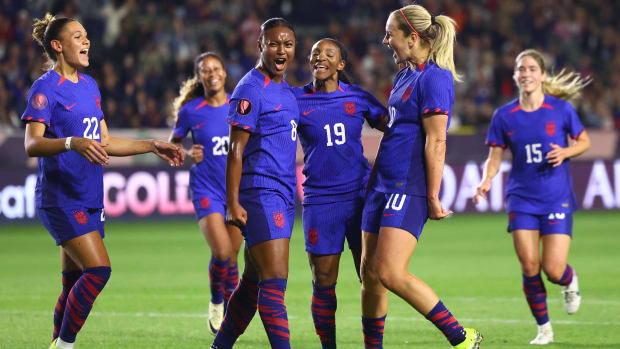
389,277
324,278
368,273
554,272
530,267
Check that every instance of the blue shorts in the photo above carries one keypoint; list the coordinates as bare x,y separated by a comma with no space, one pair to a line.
551,223
327,225
66,223
407,212
270,216
205,206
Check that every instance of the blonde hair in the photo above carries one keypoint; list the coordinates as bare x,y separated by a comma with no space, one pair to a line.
192,88
438,31
45,30
566,84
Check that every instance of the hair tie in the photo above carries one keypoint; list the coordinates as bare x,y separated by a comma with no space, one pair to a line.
433,20
410,26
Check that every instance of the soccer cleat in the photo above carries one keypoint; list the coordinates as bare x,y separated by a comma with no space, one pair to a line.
216,315
472,340
571,296
53,344
545,334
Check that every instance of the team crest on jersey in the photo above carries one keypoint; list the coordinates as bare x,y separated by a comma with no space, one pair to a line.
278,218
313,236
550,128
349,107
407,94
244,107
39,101
205,203
80,217
511,216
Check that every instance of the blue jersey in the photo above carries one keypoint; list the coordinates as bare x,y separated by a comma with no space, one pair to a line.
330,131
269,112
67,109
400,163
209,129
534,185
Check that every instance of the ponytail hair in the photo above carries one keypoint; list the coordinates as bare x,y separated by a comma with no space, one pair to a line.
44,31
343,75
438,31
192,88
566,84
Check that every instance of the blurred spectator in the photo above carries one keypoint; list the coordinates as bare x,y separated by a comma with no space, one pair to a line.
143,49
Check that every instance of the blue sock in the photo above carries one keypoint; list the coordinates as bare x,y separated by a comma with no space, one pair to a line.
273,312
447,324
80,301
373,332
232,279
323,308
218,271
536,296
566,278
69,278
242,306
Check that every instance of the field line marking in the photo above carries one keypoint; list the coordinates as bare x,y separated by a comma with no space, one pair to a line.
291,317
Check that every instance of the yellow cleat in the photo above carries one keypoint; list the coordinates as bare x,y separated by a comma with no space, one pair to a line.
53,344
472,340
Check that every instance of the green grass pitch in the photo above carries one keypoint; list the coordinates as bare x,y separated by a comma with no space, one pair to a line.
158,294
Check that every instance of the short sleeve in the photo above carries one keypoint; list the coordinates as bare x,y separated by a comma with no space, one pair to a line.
181,127
574,125
495,135
436,93
40,104
244,109
376,111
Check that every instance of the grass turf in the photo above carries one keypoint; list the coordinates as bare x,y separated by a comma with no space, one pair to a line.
158,293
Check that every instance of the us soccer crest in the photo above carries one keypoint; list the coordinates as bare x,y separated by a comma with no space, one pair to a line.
313,236
349,107
550,128
278,219
80,217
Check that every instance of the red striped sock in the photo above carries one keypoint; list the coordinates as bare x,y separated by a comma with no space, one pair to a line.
323,308
273,312
536,296
69,278
241,309
80,301
373,332
446,323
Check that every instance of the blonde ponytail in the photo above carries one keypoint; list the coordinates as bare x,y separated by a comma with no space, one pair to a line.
190,90
566,85
439,32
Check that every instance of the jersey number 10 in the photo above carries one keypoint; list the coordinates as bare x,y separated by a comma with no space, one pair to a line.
534,154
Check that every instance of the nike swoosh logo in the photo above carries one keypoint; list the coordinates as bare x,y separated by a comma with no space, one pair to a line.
308,112
200,124
278,107
68,107
510,133
389,214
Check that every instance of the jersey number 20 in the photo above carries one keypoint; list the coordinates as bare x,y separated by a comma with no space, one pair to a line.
94,123
220,146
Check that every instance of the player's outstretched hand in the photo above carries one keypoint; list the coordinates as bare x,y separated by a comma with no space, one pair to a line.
169,152
557,155
92,150
196,153
236,215
436,211
482,191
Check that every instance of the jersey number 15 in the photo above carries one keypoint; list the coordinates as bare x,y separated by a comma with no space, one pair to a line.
533,152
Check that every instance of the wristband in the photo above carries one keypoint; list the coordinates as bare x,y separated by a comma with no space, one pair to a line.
68,143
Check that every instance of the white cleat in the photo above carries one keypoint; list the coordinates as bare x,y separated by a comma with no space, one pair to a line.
216,315
571,296
545,334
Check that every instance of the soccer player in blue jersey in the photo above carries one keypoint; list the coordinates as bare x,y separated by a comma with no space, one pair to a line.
260,186
66,130
405,191
333,111
539,195
201,108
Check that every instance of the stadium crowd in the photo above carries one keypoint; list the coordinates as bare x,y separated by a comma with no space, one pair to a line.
141,50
